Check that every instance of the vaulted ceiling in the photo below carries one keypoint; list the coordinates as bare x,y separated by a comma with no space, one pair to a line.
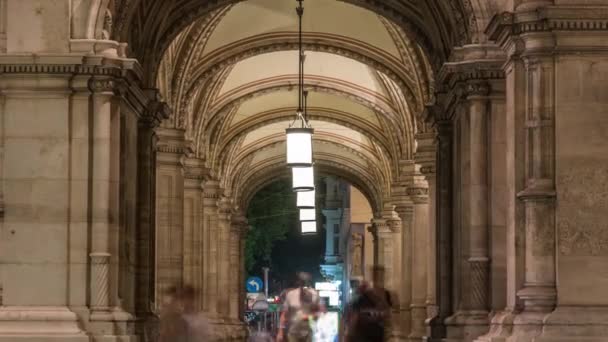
230,76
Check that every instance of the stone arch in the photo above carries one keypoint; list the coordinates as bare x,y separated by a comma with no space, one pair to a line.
431,23
224,110
273,170
274,42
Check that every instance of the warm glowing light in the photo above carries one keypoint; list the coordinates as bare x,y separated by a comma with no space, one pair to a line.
303,178
299,146
308,215
309,227
306,199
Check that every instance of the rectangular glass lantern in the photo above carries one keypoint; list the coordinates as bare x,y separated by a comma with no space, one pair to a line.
303,178
305,200
309,227
308,214
299,146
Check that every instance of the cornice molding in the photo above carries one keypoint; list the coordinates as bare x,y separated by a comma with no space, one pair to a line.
505,28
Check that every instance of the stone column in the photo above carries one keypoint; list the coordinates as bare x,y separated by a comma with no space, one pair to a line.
472,319
102,200
405,210
239,221
223,272
172,148
194,173
146,232
388,230
242,272
478,260
210,246
444,227
418,192
426,153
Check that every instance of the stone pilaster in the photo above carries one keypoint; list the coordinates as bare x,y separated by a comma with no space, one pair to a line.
210,246
224,230
426,153
437,328
172,150
239,222
418,193
388,244
405,211
103,204
468,82
194,175
155,112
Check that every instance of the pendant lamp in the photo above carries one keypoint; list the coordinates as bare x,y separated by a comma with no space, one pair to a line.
299,133
308,214
305,200
309,227
303,178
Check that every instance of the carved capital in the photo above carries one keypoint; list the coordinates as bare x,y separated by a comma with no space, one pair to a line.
102,85
155,113
477,88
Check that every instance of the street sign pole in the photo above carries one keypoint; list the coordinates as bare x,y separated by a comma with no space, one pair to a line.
266,269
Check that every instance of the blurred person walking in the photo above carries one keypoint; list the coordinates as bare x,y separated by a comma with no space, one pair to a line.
299,312
179,319
370,312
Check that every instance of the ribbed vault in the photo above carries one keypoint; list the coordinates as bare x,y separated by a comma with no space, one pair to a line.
230,76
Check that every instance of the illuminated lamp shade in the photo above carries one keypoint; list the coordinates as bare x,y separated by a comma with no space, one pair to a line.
303,178
305,200
299,146
309,227
308,215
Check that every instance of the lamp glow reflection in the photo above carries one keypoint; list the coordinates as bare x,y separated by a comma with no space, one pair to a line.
309,227
299,146
305,200
308,215
303,178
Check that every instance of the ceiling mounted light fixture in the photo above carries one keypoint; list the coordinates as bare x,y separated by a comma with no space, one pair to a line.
299,133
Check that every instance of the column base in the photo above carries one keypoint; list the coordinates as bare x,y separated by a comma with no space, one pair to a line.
576,324
400,324
116,325
527,326
418,319
39,324
501,327
466,326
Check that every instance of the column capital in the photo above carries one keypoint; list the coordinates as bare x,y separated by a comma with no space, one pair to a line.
211,193
419,193
156,111
426,154
239,222
172,147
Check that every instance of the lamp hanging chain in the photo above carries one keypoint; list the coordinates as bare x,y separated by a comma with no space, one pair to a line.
300,11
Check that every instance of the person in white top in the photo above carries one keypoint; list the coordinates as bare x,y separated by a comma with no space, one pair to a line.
299,310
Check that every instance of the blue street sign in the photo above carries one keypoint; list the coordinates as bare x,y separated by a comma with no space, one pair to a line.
254,284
